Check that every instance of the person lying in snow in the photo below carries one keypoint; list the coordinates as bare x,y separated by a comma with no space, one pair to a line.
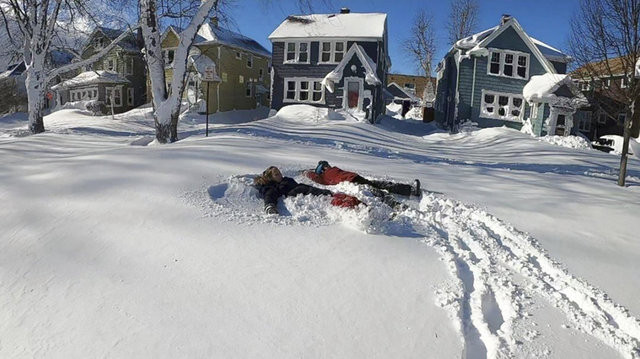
327,175
272,185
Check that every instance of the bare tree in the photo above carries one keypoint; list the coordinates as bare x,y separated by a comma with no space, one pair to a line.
605,42
421,42
463,19
40,24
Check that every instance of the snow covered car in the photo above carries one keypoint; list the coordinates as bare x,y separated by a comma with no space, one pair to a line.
603,144
612,143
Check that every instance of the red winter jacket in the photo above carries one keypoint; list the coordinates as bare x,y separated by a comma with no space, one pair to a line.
331,176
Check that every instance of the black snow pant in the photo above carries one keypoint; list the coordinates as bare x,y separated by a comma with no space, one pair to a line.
391,187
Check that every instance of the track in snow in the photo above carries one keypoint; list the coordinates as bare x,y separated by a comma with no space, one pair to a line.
498,269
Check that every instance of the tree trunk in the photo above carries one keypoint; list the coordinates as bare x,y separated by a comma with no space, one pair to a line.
36,87
163,130
625,150
174,125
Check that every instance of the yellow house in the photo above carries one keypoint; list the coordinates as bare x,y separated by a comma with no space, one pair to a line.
242,68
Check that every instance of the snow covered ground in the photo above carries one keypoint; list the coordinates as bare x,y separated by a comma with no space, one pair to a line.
113,248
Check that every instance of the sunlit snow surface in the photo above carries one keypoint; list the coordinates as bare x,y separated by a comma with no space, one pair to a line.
113,248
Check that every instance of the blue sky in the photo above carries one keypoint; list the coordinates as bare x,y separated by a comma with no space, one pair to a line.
546,20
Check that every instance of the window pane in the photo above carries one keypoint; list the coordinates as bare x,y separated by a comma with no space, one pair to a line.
291,95
291,56
508,70
522,71
490,109
339,56
495,68
503,100
326,56
508,58
501,111
303,57
303,47
340,46
522,60
304,95
560,121
517,102
489,98
291,46
317,96
304,85
291,85
326,46
515,113
317,86
495,57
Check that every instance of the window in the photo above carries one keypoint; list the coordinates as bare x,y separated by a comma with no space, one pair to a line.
261,74
114,93
502,106
110,64
241,79
303,90
331,51
584,122
607,83
296,52
585,86
83,94
602,119
248,90
621,118
128,66
624,82
249,61
238,55
509,64
130,97
169,55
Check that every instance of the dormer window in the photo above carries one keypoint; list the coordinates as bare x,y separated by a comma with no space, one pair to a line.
296,52
110,64
169,55
510,64
332,51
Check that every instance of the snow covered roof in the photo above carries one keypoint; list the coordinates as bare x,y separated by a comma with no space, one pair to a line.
478,39
369,67
542,88
399,93
92,78
14,70
210,33
129,43
358,25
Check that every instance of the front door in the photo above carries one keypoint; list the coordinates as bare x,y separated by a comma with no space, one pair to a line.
353,94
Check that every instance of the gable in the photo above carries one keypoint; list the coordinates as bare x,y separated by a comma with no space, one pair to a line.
563,91
170,39
509,39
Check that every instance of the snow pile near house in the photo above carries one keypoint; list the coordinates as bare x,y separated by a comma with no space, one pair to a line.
475,39
408,126
394,109
634,146
192,117
567,141
306,114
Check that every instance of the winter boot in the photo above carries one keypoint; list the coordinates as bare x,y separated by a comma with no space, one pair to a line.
270,209
415,189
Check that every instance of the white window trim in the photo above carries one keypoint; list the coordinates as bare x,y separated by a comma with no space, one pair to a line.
494,114
514,64
113,89
298,80
241,79
238,55
296,59
332,52
130,96
115,64
623,83
607,83
91,93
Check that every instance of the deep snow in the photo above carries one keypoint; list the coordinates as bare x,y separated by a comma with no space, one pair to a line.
110,248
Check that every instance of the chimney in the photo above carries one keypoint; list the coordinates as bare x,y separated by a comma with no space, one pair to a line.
214,21
505,18
345,10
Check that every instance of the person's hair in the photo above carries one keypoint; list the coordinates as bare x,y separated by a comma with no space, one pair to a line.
266,177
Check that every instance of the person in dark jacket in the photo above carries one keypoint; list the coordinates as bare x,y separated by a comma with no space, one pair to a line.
272,185
328,175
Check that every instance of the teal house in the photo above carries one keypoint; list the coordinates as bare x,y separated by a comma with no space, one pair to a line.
503,77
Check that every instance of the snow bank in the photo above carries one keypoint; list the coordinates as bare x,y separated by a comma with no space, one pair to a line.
408,126
306,114
394,109
567,141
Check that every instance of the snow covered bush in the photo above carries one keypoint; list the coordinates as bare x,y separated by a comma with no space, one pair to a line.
95,107
567,141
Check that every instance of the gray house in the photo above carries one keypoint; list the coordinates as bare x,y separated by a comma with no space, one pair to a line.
339,61
503,77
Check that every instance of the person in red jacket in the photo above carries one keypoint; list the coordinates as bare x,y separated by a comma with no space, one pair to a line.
329,175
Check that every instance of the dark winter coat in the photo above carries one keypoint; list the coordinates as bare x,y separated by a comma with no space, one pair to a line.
288,187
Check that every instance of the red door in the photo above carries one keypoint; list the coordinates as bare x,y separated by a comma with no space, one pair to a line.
353,94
